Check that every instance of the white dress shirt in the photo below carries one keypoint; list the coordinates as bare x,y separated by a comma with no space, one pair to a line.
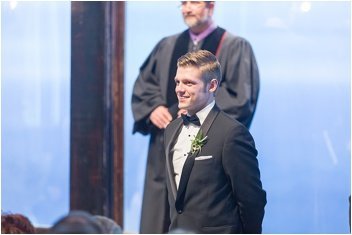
183,144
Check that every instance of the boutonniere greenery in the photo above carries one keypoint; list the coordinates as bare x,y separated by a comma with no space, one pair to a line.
198,142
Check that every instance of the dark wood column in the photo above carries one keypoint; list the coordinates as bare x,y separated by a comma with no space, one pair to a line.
97,82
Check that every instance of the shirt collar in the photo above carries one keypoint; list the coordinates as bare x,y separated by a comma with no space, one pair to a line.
197,38
202,114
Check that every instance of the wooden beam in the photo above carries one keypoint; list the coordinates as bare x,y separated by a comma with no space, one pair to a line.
97,75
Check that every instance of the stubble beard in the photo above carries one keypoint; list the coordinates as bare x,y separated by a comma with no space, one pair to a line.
182,105
195,24
191,21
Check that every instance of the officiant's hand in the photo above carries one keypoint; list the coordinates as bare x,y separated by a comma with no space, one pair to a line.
160,117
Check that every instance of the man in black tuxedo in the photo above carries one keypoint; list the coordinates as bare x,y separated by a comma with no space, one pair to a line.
213,178
154,102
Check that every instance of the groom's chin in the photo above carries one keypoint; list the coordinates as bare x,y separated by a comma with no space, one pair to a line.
181,106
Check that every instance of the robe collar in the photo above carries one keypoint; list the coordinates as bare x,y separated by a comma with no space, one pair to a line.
196,38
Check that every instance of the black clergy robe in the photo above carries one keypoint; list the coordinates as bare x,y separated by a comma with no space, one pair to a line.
237,96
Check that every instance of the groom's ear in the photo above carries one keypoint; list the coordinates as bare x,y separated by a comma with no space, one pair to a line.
213,85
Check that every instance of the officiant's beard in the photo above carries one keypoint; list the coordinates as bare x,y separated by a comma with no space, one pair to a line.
193,22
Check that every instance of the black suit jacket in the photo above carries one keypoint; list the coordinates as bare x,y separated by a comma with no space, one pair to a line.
220,194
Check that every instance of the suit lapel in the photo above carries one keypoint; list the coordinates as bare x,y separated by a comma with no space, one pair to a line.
187,168
171,141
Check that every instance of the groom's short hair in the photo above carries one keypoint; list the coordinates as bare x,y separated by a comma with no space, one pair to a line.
203,60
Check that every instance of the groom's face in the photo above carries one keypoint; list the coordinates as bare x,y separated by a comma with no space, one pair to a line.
192,92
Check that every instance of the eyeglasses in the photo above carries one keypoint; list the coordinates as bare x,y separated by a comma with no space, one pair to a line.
191,4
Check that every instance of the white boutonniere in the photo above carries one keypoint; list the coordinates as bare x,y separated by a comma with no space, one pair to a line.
198,142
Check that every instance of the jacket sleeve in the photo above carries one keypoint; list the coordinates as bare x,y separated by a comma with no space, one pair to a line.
146,95
241,166
239,88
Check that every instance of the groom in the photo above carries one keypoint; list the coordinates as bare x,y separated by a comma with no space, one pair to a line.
213,179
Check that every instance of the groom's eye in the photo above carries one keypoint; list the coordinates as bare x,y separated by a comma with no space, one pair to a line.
189,83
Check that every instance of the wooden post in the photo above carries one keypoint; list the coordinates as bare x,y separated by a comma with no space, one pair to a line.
97,82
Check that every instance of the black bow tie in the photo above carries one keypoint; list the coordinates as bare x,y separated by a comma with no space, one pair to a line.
190,119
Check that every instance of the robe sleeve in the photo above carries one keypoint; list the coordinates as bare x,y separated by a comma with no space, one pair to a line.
239,88
147,95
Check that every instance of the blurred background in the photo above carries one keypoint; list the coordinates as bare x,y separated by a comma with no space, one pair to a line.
302,126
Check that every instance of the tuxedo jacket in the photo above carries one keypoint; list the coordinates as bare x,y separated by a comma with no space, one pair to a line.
220,190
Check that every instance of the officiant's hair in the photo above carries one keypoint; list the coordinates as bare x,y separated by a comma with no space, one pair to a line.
205,61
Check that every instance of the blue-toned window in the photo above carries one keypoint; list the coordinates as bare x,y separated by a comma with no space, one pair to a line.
35,109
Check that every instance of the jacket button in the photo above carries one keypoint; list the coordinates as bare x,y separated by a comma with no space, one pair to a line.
179,211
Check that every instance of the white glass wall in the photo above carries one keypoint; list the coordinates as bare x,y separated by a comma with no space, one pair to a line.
35,111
